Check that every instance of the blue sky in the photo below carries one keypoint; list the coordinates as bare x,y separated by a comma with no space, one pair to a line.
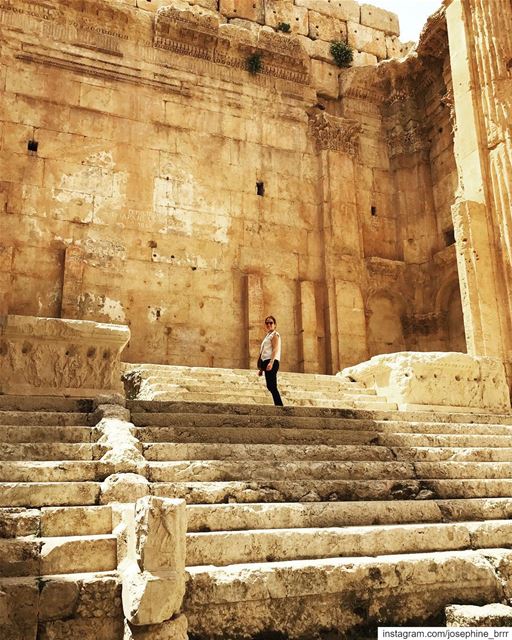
412,13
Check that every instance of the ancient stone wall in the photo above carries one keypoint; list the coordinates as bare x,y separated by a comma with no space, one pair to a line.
150,179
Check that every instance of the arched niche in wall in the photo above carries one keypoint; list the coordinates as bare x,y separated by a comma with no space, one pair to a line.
449,306
384,323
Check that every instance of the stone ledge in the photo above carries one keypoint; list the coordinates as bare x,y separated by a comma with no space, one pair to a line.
436,380
59,357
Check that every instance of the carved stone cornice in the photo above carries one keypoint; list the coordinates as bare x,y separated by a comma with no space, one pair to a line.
423,323
334,134
198,35
385,267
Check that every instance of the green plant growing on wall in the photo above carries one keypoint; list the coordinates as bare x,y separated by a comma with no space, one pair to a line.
342,53
284,27
254,63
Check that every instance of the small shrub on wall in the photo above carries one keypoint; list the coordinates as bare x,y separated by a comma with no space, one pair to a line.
342,53
254,63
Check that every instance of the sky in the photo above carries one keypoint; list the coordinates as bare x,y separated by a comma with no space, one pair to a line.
412,14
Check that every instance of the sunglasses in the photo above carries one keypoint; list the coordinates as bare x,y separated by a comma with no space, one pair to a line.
269,322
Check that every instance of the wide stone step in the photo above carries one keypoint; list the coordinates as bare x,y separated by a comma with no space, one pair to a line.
221,451
45,556
55,521
330,490
234,517
45,418
201,419
49,451
290,435
233,547
41,494
152,407
39,434
45,403
339,594
259,470
48,471
167,451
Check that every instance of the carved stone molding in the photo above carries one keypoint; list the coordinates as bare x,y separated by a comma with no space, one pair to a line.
334,134
385,267
423,323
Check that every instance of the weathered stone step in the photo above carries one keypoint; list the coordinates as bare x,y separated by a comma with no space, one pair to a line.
234,517
49,451
166,451
49,471
149,407
38,434
290,422
41,494
234,547
330,490
290,435
257,470
44,418
339,594
220,451
55,521
45,403
70,554
260,470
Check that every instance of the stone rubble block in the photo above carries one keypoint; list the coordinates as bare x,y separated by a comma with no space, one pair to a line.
380,19
19,603
17,522
175,629
123,487
325,28
253,10
123,450
324,77
154,583
436,380
299,596
75,521
87,554
366,39
277,11
338,9
489,615
59,599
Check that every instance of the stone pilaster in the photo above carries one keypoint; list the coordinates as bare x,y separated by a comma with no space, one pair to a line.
255,316
480,49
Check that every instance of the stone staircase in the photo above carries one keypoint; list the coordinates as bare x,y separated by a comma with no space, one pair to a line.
242,386
58,555
303,521
303,518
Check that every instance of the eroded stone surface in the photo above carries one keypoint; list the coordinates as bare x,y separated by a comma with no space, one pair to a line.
438,379
123,487
489,615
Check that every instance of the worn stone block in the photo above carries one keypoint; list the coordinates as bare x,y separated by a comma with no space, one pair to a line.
253,10
325,28
277,11
380,19
366,39
18,609
338,9
324,77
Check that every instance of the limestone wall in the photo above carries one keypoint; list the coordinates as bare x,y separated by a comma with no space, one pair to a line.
149,179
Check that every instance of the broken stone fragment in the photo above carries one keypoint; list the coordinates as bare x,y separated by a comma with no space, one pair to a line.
123,487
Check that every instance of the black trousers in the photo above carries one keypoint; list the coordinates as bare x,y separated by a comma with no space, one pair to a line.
271,380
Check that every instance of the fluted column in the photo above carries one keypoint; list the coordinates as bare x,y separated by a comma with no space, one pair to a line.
480,37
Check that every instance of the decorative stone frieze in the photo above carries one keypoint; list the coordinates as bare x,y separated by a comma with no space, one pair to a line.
334,134
52,356
410,140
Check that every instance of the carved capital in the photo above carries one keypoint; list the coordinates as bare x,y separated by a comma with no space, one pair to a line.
410,140
334,134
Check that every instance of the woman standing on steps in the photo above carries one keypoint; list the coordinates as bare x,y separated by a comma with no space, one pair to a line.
268,361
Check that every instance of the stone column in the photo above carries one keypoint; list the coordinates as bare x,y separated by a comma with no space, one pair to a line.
480,54
255,317
72,282
337,141
5,278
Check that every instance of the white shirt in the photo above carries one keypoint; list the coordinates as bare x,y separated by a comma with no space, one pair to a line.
266,346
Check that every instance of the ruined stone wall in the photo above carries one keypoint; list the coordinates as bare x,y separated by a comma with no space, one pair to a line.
149,179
